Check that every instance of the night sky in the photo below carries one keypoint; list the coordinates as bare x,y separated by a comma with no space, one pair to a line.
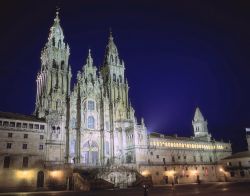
177,55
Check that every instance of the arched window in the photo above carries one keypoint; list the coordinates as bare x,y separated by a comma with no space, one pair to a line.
91,105
59,44
53,41
73,122
62,65
58,104
54,63
114,77
90,76
107,147
91,122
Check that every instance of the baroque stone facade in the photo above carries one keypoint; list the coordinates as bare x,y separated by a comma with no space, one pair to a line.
93,125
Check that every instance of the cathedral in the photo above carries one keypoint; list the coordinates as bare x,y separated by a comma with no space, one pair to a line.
92,125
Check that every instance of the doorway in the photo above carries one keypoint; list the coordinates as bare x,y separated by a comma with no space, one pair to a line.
198,179
166,179
40,179
90,153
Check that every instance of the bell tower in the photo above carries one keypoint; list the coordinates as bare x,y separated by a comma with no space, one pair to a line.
53,90
53,80
200,125
114,80
115,87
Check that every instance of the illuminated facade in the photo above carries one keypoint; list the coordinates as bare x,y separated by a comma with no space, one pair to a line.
93,125
237,166
93,122
184,159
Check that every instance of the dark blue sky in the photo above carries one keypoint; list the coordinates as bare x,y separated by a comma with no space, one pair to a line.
178,55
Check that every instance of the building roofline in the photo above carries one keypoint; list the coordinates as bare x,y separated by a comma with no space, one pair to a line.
238,155
17,116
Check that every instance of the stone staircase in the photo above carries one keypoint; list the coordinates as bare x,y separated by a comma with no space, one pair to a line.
89,177
142,180
120,176
107,177
80,183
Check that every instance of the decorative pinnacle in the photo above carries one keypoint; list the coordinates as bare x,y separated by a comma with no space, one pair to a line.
89,59
89,52
57,10
57,14
110,34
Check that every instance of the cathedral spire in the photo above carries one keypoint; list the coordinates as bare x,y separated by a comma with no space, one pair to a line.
89,70
110,35
57,19
111,53
111,45
89,60
56,36
54,78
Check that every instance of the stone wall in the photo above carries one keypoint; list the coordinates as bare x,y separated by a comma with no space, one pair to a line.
180,173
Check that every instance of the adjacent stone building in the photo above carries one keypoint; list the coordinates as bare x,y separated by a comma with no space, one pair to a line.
237,166
184,159
93,125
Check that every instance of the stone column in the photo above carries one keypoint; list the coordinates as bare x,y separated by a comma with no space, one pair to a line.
49,83
68,83
65,84
102,135
124,145
111,133
53,80
127,104
37,91
42,82
78,131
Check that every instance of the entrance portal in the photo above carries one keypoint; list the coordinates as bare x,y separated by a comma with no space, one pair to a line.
40,179
90,153
166,179
198,179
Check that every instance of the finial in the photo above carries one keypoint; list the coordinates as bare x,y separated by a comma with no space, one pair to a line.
57,10
57,14
89,59
110,33
142,121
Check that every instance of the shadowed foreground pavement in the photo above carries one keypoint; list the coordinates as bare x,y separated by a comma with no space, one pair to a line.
210,189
